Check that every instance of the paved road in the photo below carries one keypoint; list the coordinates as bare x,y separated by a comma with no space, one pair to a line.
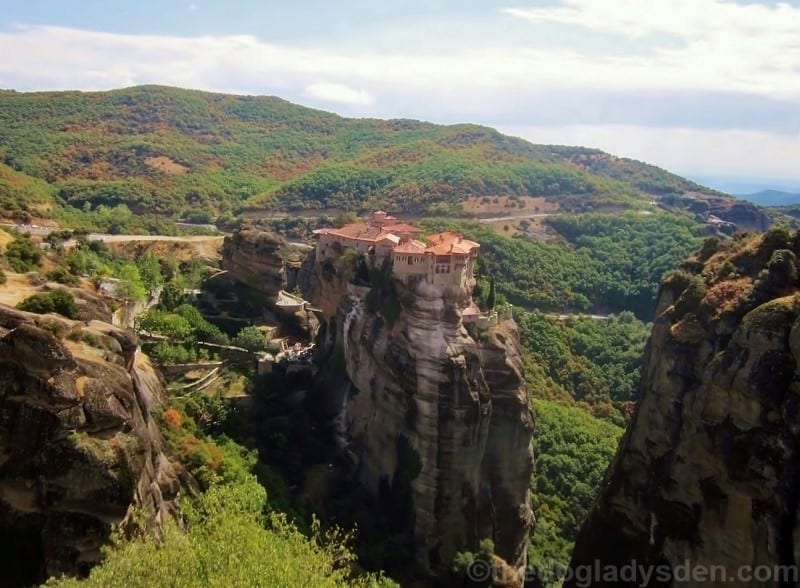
563,317
44,231
126,238
33,230
516,217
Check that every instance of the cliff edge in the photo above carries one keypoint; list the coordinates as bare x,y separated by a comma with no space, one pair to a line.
708,472
79,448
433,412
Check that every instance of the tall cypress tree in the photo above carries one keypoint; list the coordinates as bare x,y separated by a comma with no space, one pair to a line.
490,299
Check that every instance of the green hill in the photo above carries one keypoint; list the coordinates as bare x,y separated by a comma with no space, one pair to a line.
168,151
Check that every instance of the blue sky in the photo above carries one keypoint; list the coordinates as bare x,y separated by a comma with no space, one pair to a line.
706,88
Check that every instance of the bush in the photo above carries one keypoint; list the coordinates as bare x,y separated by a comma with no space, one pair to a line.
165,353
3,278
225,543
23,255
250,338
58,301
62,276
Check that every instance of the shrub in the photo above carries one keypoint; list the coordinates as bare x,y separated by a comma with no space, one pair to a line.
62,276
250,338
23,255
58,301
3,278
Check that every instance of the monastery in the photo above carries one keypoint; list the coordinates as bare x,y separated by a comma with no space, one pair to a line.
446,259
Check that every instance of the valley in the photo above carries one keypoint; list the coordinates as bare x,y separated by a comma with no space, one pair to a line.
374,404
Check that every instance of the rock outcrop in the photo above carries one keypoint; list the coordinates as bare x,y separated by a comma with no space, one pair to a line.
722,213
255,258
79,448
708,472
435,417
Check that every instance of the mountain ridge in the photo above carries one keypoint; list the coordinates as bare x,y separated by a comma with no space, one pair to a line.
165,151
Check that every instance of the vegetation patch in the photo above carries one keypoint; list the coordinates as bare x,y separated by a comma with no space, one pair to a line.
58,301
615,262
573,450
22,254
124,160
592,363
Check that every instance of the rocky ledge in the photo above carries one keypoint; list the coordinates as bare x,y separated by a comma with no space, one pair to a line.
79,448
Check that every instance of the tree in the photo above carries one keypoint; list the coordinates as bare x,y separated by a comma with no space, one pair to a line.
163,323
172,296
491,299
250,338
201,328
149,271
63,276
130,287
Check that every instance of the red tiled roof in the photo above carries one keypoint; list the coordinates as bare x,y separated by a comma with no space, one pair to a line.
471,311
449,243
363,231
410,246
402,228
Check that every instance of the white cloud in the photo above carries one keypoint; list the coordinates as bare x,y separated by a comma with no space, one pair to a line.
731,67
749,47
339,93
683,18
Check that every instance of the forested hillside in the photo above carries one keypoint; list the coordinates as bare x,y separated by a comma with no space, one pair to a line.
609,263
169,151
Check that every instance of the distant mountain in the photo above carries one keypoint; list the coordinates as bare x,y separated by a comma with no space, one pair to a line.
168,151
740,186
772,198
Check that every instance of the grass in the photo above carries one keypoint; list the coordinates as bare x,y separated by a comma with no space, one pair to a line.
5,239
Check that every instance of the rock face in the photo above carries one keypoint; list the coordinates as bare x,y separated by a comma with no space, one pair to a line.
436,421
725,213
254,258
708,472
79,449
257,259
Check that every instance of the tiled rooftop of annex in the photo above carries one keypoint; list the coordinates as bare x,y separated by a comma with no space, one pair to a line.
445,243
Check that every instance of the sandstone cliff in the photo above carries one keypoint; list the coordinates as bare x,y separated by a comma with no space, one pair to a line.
79,449
255,259
436,420
708,472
